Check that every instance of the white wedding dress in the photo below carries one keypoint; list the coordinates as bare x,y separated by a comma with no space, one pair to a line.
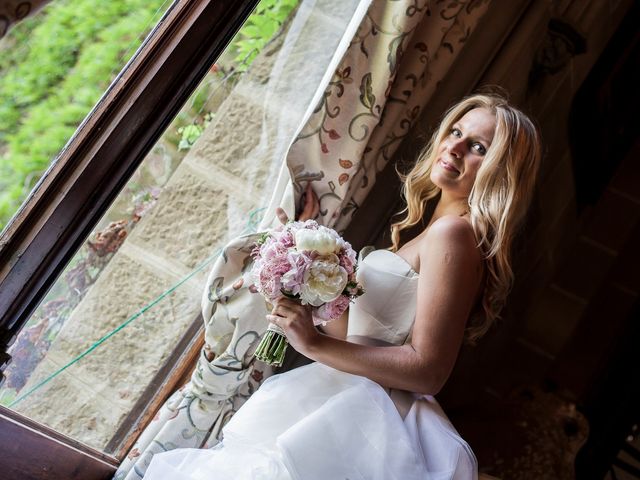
318,423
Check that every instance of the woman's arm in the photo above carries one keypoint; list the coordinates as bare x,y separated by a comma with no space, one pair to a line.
338,327
450,275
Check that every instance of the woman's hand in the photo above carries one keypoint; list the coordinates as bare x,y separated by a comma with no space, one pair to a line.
296,321
310,210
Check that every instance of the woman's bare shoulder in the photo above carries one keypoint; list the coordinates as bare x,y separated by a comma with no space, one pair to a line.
451,234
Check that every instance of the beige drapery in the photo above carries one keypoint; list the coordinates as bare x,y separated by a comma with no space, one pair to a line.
12,11
390,72
387,71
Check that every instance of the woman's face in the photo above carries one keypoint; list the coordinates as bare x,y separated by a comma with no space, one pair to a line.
460,153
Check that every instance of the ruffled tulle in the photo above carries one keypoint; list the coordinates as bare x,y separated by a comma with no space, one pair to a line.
317,423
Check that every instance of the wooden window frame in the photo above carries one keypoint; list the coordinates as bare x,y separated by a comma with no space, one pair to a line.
76,191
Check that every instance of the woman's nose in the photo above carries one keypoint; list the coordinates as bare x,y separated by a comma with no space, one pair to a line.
456,147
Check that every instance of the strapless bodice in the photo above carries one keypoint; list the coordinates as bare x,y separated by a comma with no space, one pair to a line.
385,313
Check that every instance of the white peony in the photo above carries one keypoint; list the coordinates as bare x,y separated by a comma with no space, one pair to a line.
321,240
324,281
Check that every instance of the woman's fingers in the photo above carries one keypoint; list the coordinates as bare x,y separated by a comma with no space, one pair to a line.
310,210
314,202
282,215
296,321
283,306
311,205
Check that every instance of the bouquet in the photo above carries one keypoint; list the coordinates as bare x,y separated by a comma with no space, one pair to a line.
308,262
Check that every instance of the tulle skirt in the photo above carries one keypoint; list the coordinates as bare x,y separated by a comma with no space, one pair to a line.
317,423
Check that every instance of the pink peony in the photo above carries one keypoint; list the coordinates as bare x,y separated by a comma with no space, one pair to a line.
293,279
348,259
285,238
273,251
269,275
331,310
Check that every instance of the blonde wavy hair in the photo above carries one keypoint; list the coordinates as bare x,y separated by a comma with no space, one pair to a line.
498,201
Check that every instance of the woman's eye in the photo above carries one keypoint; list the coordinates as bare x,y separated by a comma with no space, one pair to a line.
478,147
456,132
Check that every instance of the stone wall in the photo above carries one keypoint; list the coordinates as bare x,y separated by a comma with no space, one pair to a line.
206,200
226,175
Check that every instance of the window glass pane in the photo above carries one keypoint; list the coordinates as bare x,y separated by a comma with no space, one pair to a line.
115,316
53,69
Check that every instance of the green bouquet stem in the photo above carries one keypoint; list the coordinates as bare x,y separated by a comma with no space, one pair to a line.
272,347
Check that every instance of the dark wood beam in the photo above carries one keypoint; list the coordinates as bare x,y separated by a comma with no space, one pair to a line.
31,451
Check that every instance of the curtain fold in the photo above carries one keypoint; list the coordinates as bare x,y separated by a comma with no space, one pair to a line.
225,374
13,11
385,64
401,52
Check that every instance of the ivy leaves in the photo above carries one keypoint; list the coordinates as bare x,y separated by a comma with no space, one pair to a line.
259,28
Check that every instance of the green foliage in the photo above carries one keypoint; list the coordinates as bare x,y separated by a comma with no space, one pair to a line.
55,66
191,133
61,63
259,28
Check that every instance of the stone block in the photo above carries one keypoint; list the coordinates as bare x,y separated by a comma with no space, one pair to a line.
585,269
230,144
557,189
74,406
102,387
597,336
627,178
188,222
625,273
561,233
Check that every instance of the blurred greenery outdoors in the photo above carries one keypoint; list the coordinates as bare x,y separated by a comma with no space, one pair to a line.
55,66
53,69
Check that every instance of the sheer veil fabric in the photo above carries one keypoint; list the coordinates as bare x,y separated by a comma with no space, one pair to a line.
348,83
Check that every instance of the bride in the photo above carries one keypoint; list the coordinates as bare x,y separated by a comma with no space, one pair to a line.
365,409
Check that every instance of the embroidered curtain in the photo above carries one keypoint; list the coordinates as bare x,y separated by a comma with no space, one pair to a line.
400,54
193,416
385,63
12,11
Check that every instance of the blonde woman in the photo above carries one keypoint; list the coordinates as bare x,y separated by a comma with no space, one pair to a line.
365,409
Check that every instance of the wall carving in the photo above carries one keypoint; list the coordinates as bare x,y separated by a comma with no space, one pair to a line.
12,11
562,42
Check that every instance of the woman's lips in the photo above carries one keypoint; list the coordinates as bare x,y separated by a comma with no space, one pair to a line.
447,166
